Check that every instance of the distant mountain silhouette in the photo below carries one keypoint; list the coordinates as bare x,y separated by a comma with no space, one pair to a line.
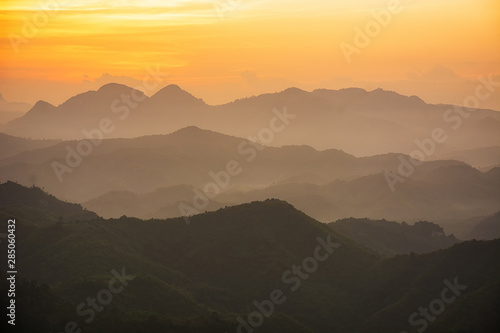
435,194
160,203
440,192
353,120
98,101
35,122
392,238
186,157
484,158
40,111
487,228
11,145
183,157
343,185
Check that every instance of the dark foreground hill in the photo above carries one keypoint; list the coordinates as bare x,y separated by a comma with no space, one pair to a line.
258,267
38,207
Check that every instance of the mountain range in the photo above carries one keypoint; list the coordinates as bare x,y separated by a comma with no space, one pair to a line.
325,211
359,122
149,177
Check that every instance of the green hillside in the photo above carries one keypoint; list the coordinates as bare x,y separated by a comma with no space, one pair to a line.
208,276
37,207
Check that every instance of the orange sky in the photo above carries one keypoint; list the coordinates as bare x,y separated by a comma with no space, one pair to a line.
434,49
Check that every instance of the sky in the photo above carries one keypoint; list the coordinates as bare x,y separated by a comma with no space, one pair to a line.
227,49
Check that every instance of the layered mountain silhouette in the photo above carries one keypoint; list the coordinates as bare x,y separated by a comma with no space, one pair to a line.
366,196
11,145
443,192
148,177
353,120
170,198
484,158
211,274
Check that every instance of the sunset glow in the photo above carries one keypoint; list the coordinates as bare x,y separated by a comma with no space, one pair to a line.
253,47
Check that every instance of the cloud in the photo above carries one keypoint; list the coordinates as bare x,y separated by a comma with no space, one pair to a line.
436,74
250,78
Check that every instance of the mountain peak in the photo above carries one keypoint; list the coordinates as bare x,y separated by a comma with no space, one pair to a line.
265,207
202,140
42,103
293,91
42,106
269,213
2,99
195,132
98,100
109,86
173,88
189,130
40,109
173,94
115,89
